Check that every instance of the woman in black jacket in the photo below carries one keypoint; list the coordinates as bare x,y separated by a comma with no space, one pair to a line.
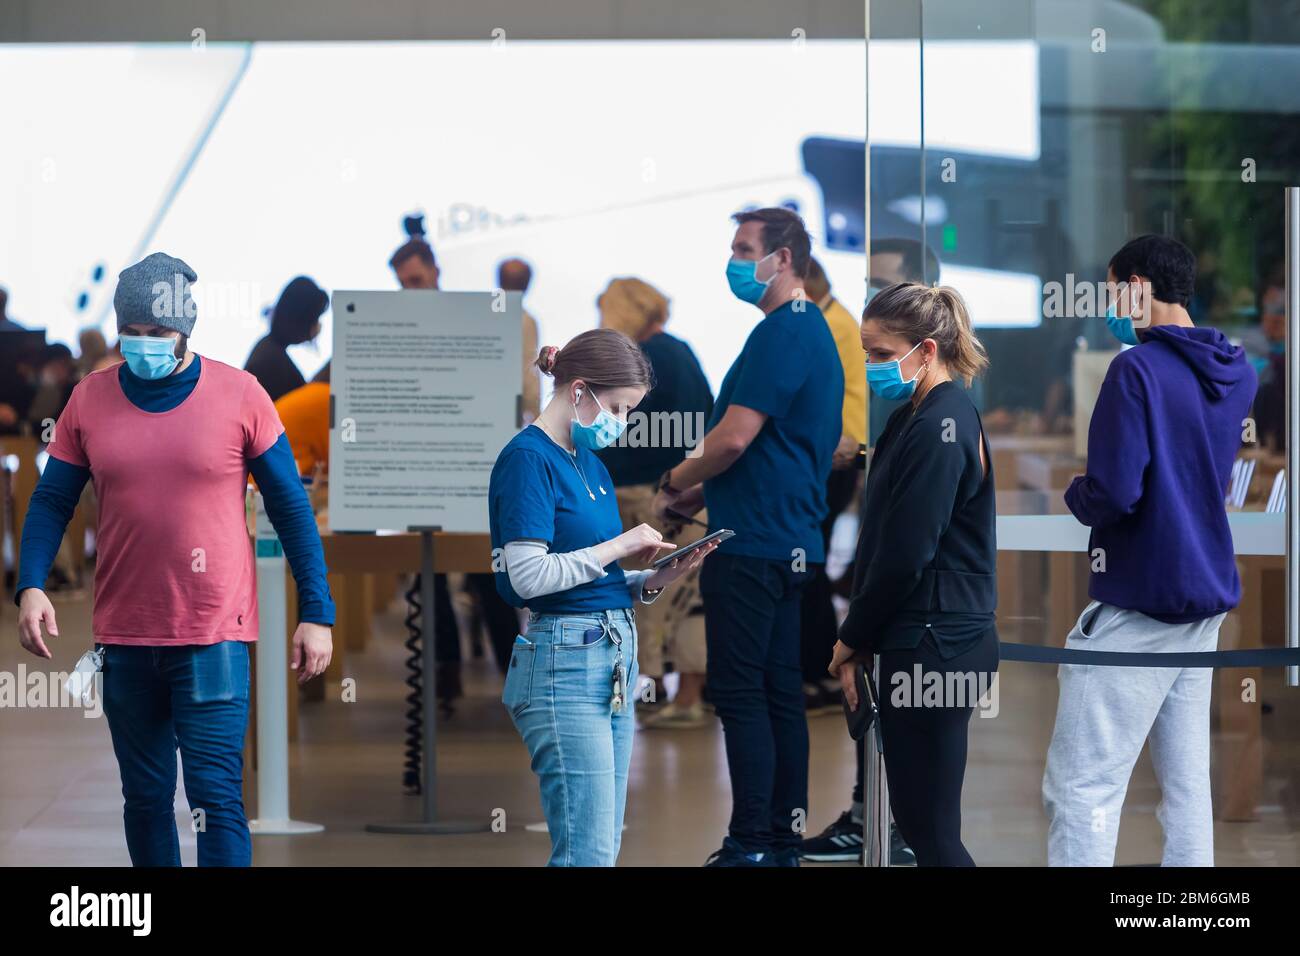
925,585
295,319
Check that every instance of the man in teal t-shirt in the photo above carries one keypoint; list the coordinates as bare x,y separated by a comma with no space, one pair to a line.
762,474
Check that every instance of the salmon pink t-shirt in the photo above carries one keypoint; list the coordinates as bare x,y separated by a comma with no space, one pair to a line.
175,563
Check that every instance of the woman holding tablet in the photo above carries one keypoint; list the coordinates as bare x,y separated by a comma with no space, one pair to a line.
557,541
925,586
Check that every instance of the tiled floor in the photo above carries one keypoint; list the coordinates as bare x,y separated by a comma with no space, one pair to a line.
60,802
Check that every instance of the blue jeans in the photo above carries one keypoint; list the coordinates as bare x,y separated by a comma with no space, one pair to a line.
751,619
194,697
559,691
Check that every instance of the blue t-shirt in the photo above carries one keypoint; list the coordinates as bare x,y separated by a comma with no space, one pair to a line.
536,492
774,495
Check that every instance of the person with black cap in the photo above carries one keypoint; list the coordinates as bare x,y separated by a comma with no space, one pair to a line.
169,439
294,320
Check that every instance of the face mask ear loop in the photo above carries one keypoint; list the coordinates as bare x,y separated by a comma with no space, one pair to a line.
924,368
919,370
1137,320
925,365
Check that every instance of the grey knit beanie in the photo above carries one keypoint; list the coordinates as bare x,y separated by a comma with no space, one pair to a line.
156,291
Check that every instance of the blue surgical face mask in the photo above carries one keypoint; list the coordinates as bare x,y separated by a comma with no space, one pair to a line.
886,378
1121,328
603,431
149,356
745,286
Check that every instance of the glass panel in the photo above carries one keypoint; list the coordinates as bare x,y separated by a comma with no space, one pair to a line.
1053,133
894,121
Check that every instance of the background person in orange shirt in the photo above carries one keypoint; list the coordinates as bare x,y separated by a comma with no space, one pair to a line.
305,414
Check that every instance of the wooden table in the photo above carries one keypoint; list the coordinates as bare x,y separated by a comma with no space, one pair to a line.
1258,621
1008,449
354,562
20,484
357,562
18,487
1051,472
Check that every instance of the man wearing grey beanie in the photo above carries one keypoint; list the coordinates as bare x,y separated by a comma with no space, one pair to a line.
169,439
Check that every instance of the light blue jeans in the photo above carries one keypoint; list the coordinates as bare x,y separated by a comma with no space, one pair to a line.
559,692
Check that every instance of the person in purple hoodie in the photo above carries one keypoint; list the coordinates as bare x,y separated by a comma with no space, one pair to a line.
1167,425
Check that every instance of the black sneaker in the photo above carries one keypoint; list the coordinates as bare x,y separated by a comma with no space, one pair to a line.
841,842
733,854
787,857
900,854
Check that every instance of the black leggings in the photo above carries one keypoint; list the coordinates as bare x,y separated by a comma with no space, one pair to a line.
925,745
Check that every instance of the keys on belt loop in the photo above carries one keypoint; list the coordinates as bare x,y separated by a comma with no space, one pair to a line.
618,698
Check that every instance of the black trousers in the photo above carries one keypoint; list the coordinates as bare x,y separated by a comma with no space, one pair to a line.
818,625
502,624
751,615
925,744
500,618
446,637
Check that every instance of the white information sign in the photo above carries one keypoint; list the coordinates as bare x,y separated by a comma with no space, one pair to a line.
424,392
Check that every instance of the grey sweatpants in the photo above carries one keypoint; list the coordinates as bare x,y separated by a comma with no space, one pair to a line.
1104,716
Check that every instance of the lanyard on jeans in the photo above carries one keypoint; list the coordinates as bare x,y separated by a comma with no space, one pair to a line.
618,699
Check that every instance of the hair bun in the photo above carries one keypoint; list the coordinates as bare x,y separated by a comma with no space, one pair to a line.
546,358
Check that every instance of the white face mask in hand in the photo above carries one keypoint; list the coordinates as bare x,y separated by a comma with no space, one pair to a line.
84,677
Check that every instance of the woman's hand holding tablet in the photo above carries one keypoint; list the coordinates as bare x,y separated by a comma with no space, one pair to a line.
716,537
671,567
645,544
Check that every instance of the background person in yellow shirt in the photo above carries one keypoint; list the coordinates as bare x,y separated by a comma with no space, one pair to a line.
848,342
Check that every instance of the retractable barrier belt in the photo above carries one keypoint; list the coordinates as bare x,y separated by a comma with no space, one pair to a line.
1247,657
